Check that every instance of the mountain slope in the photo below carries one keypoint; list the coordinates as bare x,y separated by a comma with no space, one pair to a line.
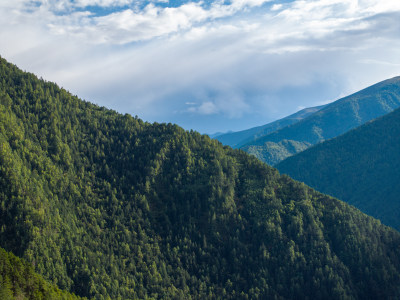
19,281
239,138
331,121
106,205
361,167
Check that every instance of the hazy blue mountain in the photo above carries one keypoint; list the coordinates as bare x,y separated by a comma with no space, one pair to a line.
332,120
360,167
239,138
214,135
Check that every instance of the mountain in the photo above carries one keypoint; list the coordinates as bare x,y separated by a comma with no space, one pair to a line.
19,281
108,206
239,138
360,167
214,135
329,122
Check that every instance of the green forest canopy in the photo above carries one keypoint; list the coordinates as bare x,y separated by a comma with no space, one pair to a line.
360,167
19,281
107,206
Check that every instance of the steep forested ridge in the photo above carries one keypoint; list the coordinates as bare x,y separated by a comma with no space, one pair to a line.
240,138
360,167
19,281
106,205
331,121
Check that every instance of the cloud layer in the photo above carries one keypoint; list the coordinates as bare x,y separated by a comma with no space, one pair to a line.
206,65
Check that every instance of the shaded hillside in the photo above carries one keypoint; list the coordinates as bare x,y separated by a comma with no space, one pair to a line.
106,205
331,121
239,138
361,167
19,281
273,153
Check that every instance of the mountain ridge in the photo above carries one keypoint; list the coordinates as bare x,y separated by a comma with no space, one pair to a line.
108,206
359,167
240,138
334,119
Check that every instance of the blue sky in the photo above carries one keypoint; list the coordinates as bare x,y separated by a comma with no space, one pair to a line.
205,65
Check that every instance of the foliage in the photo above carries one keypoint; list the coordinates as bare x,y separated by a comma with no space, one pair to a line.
19,281
360,167
329,122
276,152
108,206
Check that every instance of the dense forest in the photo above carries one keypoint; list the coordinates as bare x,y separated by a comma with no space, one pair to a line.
330,121
240,138
360,167
19,281
105,205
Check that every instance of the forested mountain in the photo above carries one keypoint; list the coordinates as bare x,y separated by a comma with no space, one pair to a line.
106,205
360,167
19,281
240,138
329,122
214,135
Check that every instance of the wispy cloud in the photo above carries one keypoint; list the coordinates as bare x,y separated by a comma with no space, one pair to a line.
240,62
130,21
102,3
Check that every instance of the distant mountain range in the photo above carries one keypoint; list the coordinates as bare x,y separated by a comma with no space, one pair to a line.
110,207
318,124
360,167
214,135
240,138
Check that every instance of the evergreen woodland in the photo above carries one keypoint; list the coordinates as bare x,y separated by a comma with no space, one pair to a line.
105,206
360,167
19,281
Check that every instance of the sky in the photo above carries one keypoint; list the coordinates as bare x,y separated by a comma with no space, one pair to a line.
210,65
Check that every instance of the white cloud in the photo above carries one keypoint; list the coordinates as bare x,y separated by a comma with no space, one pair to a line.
276,7
102,3
206,108
130,24
236,61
